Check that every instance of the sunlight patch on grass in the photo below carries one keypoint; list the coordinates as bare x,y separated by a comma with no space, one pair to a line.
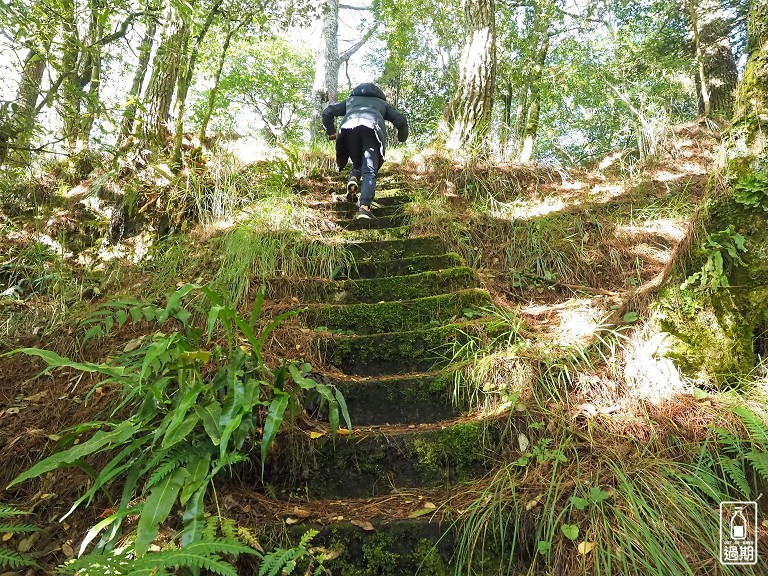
648,374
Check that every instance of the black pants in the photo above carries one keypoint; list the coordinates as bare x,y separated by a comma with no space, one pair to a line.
365,153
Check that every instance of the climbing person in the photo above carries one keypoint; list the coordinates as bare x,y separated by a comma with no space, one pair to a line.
362,139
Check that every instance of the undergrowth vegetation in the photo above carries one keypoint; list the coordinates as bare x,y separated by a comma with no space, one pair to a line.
186,404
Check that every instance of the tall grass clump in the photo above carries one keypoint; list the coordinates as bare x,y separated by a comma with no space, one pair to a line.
600,504
272,243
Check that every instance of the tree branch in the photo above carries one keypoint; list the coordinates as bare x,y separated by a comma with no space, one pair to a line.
360,8
349,52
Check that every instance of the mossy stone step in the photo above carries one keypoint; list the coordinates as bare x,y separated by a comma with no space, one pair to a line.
423,546
311,290
396,202
405,266
348,211
411,399
371,462
401,248
397,315
378,223
394,352
377,234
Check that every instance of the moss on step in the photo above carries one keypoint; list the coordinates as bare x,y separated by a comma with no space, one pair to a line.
395,316
370,235
380,223
375,289
394,249
404,266
405,400
716,337
395,352
372,462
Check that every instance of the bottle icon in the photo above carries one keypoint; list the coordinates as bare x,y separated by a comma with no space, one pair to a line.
738,524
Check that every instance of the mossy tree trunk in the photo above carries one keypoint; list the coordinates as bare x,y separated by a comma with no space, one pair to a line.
719,335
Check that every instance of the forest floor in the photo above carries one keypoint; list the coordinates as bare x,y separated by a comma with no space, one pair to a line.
574,258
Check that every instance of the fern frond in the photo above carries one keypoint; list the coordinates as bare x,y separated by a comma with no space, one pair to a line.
249,537
228,528
756,426
758,461
18,528
275,561
12,559
175,457
10,511
736,473
211,529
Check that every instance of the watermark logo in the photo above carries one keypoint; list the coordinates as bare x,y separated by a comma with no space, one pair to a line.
738,533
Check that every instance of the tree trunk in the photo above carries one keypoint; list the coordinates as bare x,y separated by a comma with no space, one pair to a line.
470,110
217,81
185,80
18,126
92,73
326,86
719,335
165,71
717,56
531,130
145,50
71,91
702,83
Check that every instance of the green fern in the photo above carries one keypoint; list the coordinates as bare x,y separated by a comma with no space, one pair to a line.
203,555
284,560
10,558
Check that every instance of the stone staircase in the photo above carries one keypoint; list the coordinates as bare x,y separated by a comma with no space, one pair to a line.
386,332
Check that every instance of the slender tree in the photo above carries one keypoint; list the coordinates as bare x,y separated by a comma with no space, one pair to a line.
145,50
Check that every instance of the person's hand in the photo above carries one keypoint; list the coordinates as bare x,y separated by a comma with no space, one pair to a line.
332,136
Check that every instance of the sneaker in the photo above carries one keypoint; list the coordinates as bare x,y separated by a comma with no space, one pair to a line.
352,188
363,214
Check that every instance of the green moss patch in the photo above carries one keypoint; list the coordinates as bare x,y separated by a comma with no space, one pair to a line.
377,463
398,315
404,399
376,289
402,248
393,353
405,266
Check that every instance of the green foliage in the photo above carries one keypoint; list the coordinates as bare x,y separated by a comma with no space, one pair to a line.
203,555
721,250
752,190
285,560
192,404
10,558
271,76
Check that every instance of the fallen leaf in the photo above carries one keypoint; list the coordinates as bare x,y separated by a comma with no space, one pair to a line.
586,547
7,536
292,521
14,410
523,442
364,524
337,518
315,435
26,544
533,503
300,512
430,505
420,512
68,550
342,432
36,397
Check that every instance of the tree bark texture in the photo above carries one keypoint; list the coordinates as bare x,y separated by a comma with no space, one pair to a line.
145,51
716,77
70,87
217,81
185,80
528,137
326,85
165,71
17,126
470,110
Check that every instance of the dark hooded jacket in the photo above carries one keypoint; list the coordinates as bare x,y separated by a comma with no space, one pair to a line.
366,106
